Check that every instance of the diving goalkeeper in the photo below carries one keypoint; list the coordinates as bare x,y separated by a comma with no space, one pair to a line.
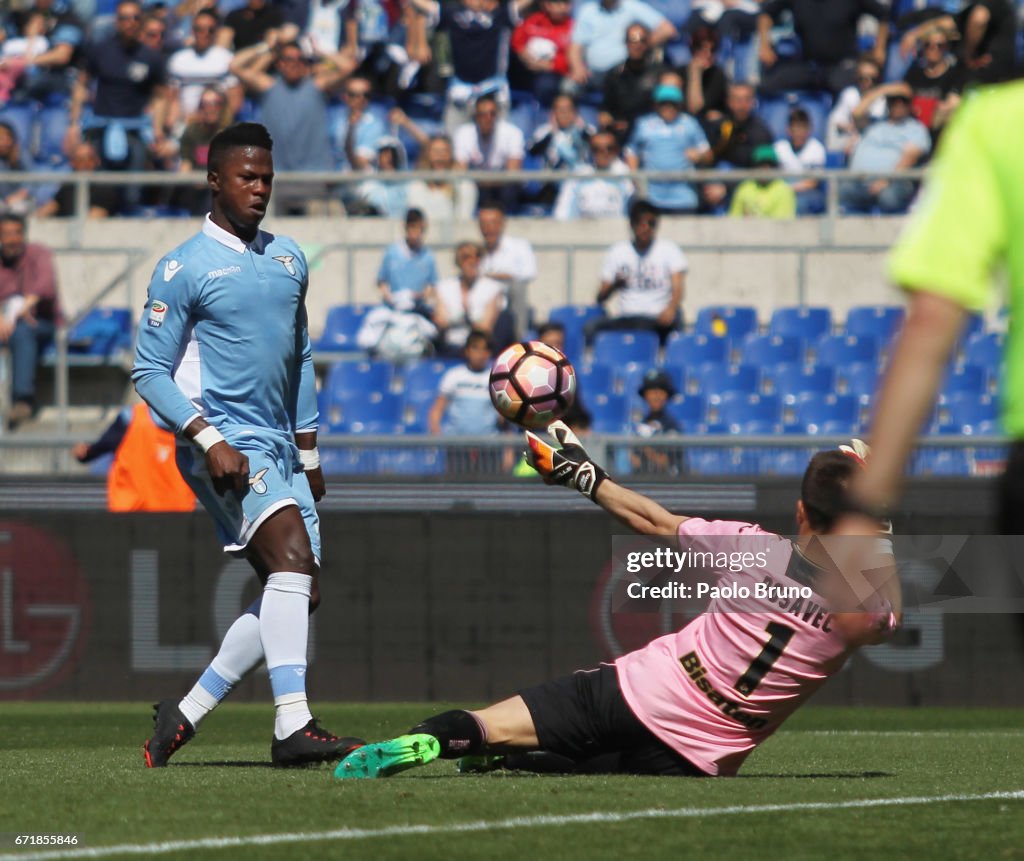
692,703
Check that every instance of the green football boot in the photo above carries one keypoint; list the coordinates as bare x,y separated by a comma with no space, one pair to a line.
388,758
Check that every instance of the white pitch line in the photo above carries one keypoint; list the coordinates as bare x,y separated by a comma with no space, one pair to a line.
909,733
596,818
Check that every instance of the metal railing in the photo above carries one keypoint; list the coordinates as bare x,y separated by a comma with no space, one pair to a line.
334,180
493,457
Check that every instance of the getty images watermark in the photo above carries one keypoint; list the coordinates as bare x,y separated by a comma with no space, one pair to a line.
814,575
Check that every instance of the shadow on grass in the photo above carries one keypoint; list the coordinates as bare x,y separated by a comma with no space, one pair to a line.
824,775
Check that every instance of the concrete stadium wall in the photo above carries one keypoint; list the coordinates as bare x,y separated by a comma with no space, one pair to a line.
764,279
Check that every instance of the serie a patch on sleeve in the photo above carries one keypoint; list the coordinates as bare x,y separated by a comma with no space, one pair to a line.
157,312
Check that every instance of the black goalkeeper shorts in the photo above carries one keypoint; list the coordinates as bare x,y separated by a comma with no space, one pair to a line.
585,718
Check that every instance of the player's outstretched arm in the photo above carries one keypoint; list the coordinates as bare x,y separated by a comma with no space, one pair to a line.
569,464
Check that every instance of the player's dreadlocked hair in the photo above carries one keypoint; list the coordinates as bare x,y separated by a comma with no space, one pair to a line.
824,487
237,136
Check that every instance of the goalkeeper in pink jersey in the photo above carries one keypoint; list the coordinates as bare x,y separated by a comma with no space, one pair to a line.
692,703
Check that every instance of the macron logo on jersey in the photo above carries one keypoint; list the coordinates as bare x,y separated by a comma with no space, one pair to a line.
286,260
172,268
227,270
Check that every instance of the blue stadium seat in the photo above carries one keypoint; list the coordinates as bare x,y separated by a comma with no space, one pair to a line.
694,348
716,378
722,461
970,409
860,379
765,350
412,461
608,407
774,110
617,348
738,321
801,321
839,350
789,380
364,407
420,380
736,409
812,411
575,319
348,461
688,410
611,425
974,325
985,349
835,160
102,332
340,328
594,380
965,378
875,321
352,378
941,462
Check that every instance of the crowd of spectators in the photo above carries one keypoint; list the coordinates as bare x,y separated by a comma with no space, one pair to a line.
373,87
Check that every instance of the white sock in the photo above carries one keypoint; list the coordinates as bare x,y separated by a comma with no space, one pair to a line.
240,652
284,630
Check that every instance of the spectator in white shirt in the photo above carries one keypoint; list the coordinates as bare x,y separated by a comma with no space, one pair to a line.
648,275
842,131
204,64
493,144
601,191
508,260
799,152
470,300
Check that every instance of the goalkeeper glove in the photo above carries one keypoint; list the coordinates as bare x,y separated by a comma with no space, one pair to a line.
568,465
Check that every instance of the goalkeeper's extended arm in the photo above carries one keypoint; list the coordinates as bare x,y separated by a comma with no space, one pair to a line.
571,466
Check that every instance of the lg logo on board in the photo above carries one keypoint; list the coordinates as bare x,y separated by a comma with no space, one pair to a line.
44,611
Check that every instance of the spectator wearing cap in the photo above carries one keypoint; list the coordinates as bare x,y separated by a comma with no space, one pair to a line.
896,143
669,139
656,389
768,196
799,151
629,87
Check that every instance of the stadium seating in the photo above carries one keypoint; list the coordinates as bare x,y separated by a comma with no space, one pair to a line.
859,378
737,409
366,407
839,350
594,380
688,410
717,378
789,380
694,348
420,380
102,332
875,321
985,349
802,321
352,378
964,378
608,408
765,350
340,328
575,319
969,408
616,348
730,321
812,411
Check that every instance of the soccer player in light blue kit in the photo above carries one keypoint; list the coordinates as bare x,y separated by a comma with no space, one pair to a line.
224,359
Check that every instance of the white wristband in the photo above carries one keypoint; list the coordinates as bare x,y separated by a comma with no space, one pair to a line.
207,438
309,458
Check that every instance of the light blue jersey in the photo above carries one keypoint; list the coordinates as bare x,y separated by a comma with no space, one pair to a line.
223,335
408,273
662,146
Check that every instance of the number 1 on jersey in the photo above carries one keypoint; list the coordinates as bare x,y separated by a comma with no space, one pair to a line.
778,637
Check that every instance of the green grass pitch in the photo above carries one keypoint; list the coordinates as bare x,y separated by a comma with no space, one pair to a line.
78,767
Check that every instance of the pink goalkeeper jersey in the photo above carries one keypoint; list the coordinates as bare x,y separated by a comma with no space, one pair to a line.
716,689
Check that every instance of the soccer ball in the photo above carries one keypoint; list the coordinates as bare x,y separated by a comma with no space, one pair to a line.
532,384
